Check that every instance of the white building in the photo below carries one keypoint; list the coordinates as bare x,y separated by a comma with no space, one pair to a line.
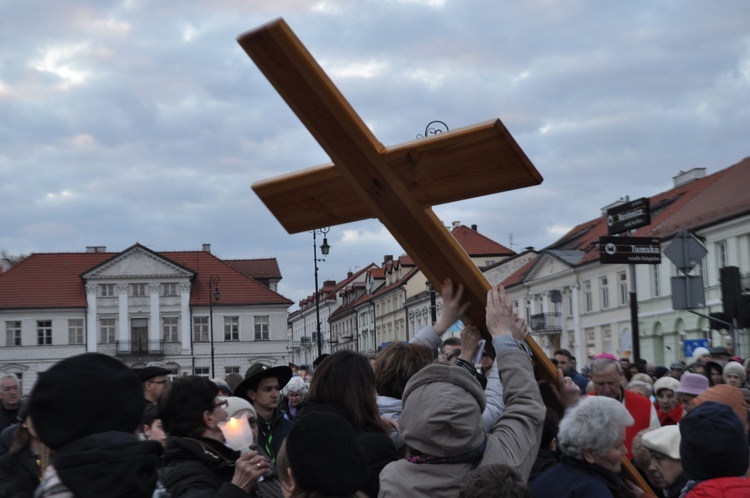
140,306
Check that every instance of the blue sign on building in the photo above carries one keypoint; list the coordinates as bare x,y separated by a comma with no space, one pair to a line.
692,344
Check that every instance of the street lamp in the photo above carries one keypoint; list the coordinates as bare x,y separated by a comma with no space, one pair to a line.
433,303
324,249
213,293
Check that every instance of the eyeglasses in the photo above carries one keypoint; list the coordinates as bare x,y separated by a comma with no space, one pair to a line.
222,404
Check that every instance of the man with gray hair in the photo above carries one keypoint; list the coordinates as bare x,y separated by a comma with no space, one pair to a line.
10,399
607,375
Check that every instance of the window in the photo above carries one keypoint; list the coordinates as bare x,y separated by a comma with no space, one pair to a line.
622,288
200,329
138,290
13,333
75,331
587,300
170,329
106,290
261,328
201,371
604,293
231,328
570,302
107,330
169,289
721,254
43,332
229,370
655,284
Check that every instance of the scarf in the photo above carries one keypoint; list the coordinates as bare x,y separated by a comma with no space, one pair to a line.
473,456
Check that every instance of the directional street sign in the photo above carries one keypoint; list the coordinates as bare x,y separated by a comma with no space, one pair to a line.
628,215
631,250
685,251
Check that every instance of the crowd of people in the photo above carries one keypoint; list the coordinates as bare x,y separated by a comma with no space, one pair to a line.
428,418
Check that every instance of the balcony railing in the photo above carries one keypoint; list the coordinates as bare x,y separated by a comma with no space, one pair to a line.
144,347
547,323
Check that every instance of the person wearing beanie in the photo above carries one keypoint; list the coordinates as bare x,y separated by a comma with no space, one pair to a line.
197,463
734,374
87,408
155,380
691,385
20,466
322,458
714,452
665,468
441,421
668,407
700,354
729,395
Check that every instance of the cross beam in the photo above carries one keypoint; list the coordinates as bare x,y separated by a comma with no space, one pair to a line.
398,185
362,161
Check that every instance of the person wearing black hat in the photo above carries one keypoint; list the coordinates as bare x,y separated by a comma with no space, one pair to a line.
262,387
714,451
322,458
86,409
155,380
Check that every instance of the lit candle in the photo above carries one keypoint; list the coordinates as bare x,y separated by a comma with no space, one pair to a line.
237,433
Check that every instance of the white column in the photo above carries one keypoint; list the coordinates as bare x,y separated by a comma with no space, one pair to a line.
185,322
578,333
123,320
154,331
91,345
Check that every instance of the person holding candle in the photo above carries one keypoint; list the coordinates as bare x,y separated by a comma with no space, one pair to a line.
196,462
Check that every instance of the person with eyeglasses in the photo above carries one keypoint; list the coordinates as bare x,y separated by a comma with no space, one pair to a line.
196,462
155,380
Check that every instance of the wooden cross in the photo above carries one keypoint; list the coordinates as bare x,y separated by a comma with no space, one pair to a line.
397,185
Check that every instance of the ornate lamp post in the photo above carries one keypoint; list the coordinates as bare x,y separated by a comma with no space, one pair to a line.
324,249
213,294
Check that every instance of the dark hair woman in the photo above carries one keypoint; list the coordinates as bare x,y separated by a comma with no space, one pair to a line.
345,384
197,463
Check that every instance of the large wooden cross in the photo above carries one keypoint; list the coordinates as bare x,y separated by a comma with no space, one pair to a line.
396,185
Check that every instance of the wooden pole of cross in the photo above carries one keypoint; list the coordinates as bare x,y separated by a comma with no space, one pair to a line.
397,185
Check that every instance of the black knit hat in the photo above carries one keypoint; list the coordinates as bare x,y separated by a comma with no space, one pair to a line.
149,373
325,456
83,395
714,442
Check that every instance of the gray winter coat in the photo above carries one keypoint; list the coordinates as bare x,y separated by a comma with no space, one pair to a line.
442,417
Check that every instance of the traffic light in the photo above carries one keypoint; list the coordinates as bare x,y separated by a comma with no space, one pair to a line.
730,291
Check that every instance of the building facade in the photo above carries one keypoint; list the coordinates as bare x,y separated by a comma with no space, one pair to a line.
189,310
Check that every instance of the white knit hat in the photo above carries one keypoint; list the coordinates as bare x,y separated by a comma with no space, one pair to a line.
666,383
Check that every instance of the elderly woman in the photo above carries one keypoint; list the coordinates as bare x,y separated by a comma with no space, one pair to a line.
197,463
294,394
592,443
665,468
668,407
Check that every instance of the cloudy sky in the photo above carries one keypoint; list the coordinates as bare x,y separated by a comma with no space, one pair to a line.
144,121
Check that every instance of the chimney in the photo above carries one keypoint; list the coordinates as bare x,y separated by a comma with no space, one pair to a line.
474,227
96,249
387,258
684,177
455,224
207,248
349,274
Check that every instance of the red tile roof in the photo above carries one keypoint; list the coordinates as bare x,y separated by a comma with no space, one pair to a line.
693,205
53,280
475,244
257,268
